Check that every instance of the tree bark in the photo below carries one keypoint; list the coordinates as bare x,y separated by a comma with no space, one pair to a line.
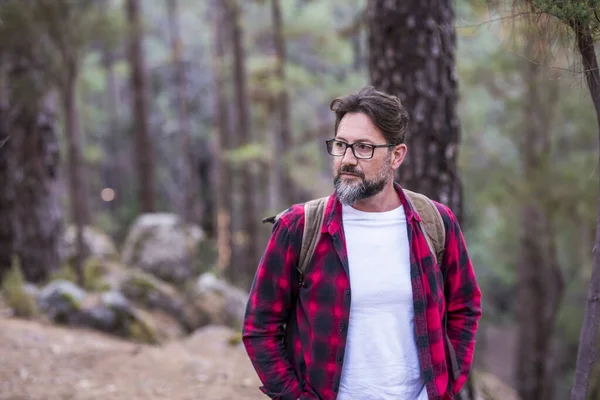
540,286
282,135
29,160
411,55
78,198
250,220
143,150
223,170
188,177
586,354
7,199
39,223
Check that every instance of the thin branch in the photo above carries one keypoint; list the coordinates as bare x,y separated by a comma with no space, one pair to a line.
574,72
509,17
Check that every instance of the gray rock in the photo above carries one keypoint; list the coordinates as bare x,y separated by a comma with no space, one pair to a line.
223,303
162,245
61,300
101,318
116,301
154,294
111,312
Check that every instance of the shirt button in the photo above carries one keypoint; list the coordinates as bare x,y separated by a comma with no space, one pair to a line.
342,326
339,359
347,292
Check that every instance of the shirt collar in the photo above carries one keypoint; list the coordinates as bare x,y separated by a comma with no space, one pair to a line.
333,211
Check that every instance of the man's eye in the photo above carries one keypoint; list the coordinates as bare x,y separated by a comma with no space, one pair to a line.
339,145
362,146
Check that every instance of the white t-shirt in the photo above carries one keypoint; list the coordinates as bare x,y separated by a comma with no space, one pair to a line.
381,360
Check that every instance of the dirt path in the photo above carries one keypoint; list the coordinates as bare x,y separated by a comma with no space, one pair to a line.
46,362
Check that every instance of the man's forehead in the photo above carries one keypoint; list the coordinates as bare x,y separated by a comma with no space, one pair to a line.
357,127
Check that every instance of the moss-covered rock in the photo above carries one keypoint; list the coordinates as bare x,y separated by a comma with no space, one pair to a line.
154,294
112,313
61,300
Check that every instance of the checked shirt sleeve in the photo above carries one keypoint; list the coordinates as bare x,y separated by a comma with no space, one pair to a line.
463,297
269,305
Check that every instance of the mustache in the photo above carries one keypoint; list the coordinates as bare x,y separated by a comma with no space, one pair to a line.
348,169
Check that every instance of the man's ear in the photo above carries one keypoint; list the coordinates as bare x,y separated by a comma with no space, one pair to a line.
398,154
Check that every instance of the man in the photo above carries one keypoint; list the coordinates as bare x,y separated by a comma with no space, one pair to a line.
366,320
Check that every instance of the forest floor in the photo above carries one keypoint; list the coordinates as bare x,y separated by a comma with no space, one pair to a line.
40,361
43,361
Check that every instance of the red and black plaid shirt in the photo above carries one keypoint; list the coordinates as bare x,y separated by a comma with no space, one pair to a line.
305,359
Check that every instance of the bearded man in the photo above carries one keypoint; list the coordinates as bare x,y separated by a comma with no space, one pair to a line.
375,315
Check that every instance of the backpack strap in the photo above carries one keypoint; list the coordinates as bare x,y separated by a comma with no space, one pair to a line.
314,212
431,223
433,227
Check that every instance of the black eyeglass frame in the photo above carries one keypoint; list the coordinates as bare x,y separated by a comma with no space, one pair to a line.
329,144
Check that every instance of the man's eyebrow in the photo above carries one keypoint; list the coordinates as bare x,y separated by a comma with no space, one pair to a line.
359,140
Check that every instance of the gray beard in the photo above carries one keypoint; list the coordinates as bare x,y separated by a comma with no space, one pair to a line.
350,192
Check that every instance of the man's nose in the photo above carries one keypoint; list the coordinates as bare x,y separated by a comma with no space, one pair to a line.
349,157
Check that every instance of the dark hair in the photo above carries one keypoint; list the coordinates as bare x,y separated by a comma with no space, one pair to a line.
385,111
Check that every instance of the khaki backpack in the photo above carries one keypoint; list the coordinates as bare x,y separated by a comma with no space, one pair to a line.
431,224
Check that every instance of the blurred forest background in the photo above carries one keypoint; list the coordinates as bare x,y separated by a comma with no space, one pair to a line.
204,117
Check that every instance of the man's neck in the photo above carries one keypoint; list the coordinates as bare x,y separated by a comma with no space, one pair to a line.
386,200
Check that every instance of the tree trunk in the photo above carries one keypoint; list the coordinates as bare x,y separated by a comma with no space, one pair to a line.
540,284
282,135
7,200
38,216
114,166
189,178
204,178
223,170
586,354
78,199
7,231
250,219
143,150
411,55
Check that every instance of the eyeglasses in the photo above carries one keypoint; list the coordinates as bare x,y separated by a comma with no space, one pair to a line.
360,150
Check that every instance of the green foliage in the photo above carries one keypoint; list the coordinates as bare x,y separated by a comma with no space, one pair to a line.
14,293
57,32
93,153
582,11
93,275
247,153
65,272
492,64
235,339
142,332
207,254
